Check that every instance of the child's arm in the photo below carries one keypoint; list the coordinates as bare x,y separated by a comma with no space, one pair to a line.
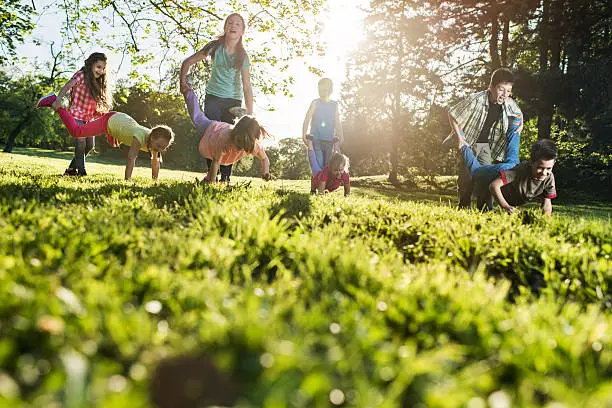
131,158
338,126
347,190
265,164
495,189
189,61
248,90
212,171
154,164
65,89
546,206
307,120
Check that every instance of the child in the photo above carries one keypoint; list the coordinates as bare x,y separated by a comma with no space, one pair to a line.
119,128
225,144
324,121
89,99
230,75
514,185
332,176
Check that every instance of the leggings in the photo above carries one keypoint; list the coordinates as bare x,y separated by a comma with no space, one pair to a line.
93,128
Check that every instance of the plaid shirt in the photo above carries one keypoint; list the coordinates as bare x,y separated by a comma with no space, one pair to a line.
82,105
471,114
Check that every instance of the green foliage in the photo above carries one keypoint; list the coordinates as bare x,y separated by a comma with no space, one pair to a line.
16,22
20,122
300,300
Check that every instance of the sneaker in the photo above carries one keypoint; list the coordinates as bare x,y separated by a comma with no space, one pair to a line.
71,172
237,111
46,101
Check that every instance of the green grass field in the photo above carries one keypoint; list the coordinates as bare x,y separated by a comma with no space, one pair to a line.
389,298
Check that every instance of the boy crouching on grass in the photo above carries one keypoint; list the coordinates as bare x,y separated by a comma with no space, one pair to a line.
528,180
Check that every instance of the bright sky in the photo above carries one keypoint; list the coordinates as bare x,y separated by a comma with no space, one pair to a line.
342,22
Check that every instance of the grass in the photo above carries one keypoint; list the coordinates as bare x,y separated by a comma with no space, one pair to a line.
132,294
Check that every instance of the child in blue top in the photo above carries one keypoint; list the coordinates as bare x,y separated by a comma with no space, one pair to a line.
325,127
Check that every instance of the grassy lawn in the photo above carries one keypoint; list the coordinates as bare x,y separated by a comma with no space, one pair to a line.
121,293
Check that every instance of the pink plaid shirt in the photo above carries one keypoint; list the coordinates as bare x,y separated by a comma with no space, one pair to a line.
82,105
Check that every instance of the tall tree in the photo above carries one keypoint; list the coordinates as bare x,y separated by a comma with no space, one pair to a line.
160,32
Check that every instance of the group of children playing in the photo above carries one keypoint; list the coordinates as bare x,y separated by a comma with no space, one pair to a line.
230,132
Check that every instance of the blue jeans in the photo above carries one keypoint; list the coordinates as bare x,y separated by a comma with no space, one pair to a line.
216,108
82,147
485,174
323,150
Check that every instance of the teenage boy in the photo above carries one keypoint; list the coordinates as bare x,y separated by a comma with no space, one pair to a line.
482,120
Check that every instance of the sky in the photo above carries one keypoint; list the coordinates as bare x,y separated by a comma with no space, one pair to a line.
342,31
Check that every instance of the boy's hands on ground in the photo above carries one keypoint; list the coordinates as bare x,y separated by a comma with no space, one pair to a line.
267,177
509,209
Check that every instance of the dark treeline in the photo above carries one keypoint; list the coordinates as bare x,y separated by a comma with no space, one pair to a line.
420,57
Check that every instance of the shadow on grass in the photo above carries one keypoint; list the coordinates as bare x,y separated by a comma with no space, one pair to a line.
293,205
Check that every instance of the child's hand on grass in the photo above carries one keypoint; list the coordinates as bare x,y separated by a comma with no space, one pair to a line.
266,177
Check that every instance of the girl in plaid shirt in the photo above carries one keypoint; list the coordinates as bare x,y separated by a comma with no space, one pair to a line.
89,100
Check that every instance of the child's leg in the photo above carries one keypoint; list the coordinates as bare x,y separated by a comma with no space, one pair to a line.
198,117
513,141
314,166
482,173
318,153
93,128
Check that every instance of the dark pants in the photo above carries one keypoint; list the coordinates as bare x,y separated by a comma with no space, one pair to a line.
216,108
82,147
465,183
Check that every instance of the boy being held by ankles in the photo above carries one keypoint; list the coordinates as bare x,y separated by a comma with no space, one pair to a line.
332,176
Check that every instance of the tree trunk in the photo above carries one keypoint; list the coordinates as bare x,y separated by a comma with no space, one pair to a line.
396,110
10,144
505,42
545,106
494,40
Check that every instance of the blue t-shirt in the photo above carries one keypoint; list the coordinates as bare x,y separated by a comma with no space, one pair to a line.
225,81
323,121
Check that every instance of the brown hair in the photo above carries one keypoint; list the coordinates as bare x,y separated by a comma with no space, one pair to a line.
211,47
246,132
501,75
98,87
338,161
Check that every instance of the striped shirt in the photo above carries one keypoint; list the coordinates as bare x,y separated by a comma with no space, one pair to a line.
471,114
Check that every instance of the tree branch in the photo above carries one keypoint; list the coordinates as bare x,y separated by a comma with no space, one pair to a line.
129,26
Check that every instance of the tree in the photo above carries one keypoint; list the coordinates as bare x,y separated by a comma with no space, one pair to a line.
16,22
394,76
283,29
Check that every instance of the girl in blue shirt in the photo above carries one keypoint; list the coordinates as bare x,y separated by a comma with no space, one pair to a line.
230,78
